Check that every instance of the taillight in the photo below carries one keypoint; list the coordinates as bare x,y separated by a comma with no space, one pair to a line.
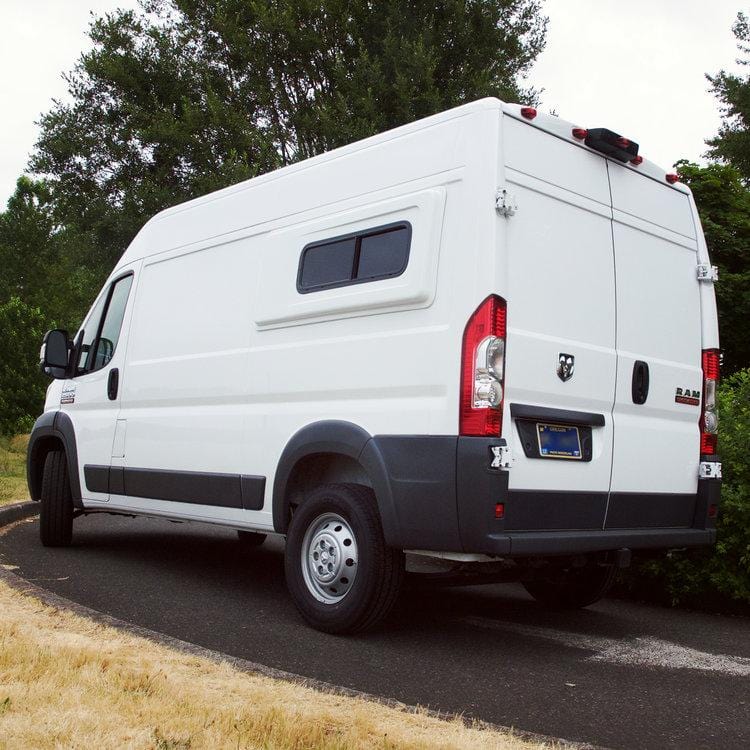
483,370
709,414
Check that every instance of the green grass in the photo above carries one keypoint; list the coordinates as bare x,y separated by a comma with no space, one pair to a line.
13,469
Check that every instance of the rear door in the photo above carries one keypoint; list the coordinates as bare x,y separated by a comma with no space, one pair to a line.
561,304
656,442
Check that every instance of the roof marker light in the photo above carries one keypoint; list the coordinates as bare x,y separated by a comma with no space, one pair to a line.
672,178
580,133
638,160
528,112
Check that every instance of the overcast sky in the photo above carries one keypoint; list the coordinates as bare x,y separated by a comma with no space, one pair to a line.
636,67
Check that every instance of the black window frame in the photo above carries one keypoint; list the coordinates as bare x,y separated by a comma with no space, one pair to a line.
99,326
358,237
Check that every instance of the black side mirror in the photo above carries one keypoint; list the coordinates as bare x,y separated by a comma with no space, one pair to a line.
55,354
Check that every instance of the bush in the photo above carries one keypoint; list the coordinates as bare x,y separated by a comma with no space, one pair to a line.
718,576
22,385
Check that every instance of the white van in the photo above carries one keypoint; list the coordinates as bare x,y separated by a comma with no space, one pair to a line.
488,337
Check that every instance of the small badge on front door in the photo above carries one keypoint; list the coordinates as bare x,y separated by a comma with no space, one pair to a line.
68,395
565,366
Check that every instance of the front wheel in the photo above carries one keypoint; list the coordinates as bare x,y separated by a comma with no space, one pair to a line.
56,513
575,588
341,575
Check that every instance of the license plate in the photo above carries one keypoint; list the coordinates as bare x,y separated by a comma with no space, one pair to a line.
558,441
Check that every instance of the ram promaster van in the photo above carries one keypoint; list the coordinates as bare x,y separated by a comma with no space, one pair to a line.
487,338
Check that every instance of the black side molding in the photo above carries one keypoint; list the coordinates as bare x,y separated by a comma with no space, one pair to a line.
565,416
241,491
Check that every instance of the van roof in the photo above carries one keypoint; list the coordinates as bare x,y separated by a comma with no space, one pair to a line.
549,123
426,122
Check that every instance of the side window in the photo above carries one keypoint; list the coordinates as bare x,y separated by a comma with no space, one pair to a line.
90,328
379,253
103,332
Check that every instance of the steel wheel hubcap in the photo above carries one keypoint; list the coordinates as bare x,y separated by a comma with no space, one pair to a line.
329,558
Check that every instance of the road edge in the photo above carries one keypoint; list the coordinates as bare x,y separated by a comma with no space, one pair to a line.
11,514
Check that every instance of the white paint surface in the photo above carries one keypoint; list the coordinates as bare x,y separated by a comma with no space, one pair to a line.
633,652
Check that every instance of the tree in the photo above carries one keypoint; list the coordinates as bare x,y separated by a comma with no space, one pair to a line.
25,230
21,382
45,265
187,96
732,144
724,206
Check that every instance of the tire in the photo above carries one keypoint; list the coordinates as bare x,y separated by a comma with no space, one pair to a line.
56,514
577,588
250,538
363,575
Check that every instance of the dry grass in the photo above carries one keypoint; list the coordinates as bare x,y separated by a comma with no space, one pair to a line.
13,469
66,681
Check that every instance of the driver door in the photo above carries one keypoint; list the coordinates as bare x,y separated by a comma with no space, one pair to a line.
92,396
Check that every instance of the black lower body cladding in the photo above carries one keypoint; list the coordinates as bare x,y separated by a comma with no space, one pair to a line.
441,493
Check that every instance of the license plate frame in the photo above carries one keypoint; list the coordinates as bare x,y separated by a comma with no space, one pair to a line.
557,441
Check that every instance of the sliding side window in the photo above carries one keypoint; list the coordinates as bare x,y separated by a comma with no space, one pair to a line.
370,255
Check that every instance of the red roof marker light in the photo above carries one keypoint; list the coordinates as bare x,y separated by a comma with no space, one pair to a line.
672,178
638,160
528,112
580,133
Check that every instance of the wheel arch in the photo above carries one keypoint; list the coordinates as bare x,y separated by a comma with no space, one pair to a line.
332,449
52,431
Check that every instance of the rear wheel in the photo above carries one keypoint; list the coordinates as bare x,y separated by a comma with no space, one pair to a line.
56,514
340,573
574,588
250,538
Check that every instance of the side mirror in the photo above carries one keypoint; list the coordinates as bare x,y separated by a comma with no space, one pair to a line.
55,354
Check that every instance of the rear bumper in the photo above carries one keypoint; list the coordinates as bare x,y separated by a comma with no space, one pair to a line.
530,543
441,493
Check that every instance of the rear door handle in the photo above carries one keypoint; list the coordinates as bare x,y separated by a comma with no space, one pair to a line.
112,383
640,382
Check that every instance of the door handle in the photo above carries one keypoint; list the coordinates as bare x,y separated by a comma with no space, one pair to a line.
640,382
112,383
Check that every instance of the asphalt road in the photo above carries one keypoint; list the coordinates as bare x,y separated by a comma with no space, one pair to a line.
618,674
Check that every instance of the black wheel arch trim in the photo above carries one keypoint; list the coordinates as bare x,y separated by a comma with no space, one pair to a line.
336,437
56,425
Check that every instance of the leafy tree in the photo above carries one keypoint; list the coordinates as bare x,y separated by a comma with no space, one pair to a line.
43,264
187,96
724,206
732,144
21,383
25,230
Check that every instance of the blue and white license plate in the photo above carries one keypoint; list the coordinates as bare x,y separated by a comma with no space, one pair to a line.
558,441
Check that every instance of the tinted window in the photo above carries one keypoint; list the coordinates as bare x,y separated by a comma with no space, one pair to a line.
90,329
110,334
378,253
329,263
97,350
383,254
